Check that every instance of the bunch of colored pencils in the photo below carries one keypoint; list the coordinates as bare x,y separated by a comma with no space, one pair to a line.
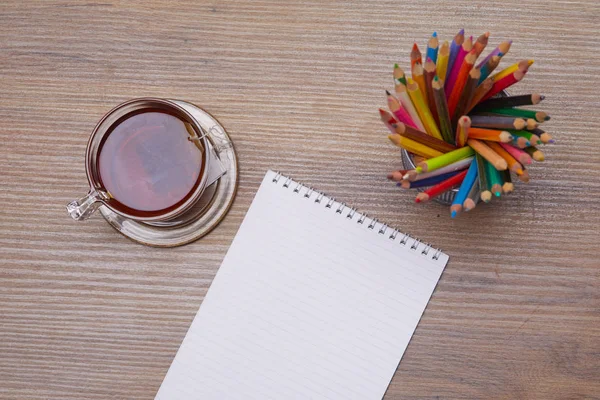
462,131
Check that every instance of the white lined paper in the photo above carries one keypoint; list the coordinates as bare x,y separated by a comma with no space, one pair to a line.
307,304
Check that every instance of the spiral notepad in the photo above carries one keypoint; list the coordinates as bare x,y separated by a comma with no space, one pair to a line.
313,300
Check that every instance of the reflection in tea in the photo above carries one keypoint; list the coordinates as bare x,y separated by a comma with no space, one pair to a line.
147,162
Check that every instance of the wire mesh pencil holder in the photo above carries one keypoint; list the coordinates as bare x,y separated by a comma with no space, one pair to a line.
445,198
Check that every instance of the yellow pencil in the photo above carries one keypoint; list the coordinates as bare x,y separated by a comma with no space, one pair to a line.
522,65
442,61
423,110
414,147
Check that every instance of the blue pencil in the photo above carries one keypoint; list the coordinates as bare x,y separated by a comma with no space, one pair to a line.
432,48
454,47
428,181
465,188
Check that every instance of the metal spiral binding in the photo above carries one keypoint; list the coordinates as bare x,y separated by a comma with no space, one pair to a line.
405,240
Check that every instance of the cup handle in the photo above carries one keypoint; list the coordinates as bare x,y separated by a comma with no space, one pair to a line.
82,209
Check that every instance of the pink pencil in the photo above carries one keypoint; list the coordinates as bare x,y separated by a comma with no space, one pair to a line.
518,154
453,74
399,111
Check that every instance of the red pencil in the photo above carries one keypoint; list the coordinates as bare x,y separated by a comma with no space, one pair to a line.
415,56
441,187
503,83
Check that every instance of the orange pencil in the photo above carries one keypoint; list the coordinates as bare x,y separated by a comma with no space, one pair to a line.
461,80
493,135
419,77
462,130
513,164
483,149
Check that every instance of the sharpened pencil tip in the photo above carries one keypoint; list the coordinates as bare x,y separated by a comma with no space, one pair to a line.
527,143
396,65
542,97
497,194
388,93
415,47
417,200
551,141
434,34
547,118
462,31
453,214
435,78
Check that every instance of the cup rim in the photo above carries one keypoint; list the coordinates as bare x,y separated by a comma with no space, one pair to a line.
123,109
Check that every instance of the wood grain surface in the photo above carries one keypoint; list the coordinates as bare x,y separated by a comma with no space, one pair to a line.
86,313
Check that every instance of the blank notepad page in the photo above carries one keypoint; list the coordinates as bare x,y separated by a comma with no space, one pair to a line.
312,301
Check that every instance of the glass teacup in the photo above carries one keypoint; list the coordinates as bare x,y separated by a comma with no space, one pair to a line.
146,160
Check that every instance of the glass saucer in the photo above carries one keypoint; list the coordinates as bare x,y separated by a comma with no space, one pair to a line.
210,209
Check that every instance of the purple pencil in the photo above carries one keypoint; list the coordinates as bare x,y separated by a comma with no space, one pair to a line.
458,40
502,48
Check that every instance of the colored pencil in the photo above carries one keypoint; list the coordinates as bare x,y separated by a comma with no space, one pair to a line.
507,186
473,196
503,48
423,110
480,91
531,124
419,77
407,104
504,83
457,42
524,177
467,95
492,135
441,108
442,61
520,142
497,122
510,101
544,136
441,187
399,112
432,48
539,116
413,175
481,43
456,67
484,186
397,175
465,188
519,155
445,159
463,130
513,164
433,180
423,138
534,153
399,77
388,119
494,179
530,136
481,148
489,67
460,81
415,56
429,72
414,147
521,65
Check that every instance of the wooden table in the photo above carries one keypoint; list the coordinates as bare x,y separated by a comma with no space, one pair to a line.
87,314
